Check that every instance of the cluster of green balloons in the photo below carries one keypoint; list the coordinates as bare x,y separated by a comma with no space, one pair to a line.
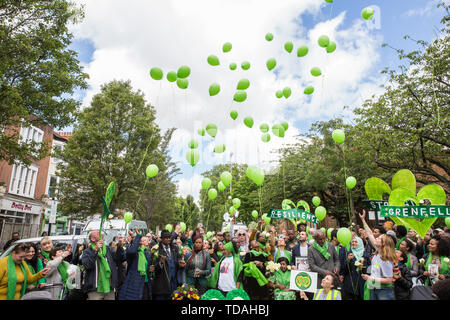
180,76
255,174
151,171
241,95
286,92
324,42
280,129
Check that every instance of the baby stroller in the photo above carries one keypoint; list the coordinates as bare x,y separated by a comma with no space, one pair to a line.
422,292
43,293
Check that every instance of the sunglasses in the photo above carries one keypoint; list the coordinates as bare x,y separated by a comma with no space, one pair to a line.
241,234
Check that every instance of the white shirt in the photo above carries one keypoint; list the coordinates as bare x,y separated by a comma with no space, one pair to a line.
226,275
303,250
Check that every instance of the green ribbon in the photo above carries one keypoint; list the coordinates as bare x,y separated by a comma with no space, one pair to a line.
12,279
258,253
104,272
366,291
251,270
323,250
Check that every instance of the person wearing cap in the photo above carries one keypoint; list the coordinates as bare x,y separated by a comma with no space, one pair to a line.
228,272
167,262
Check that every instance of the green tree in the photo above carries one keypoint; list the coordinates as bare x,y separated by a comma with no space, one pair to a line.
408,126
187,211
115,139
38,73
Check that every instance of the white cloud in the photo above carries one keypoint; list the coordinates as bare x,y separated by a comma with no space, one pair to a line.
190,186
130,37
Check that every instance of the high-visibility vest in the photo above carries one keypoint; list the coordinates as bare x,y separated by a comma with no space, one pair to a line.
332,293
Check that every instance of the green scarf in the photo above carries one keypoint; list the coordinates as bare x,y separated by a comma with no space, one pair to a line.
262,246
283,278
323,250
397,245
142,262
408,263
444,269
366,291
251,270
287,254
12,278
258,253
214,279
219,253
62,267
104,272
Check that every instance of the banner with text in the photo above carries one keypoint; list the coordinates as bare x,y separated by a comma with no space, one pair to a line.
292,214
420,212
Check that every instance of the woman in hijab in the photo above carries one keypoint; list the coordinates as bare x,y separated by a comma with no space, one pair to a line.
198,265
356,262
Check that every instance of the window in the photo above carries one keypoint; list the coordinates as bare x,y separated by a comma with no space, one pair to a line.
23,180
52,191
56,147
28,134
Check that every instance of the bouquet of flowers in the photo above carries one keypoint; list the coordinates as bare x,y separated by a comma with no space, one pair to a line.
272,266
185,292
359,264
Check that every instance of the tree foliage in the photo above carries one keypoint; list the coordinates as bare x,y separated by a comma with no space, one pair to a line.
38,73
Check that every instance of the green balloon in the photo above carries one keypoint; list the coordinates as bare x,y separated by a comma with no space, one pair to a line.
183,72
243,84
156,73
367,13
233,114
227,47
214,89
264,127
269,36
226,177
245,65
320,213
350,182
307,229
329,1
316,201
316,71
344,236
128,216
255,174
206,183
265,137
192,157
447,222
324,41
267,220
168,227
232,210
323,230
255,214
287,92
240,96
278,130
329,231
338,136
279,94
193,144
151,171
212,194
309,90
201,132
172,76
182,83
331,47
233,66
285,125
183,226
220,148
213,60
221,186
211,129
271,63
302,51
248,121
288,46
236,203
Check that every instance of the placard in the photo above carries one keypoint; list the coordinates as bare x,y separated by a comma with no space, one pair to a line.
301,264
304,281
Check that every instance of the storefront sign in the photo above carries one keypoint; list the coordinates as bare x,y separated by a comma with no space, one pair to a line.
10,205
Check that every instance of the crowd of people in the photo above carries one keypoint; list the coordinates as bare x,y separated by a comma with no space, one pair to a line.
383,263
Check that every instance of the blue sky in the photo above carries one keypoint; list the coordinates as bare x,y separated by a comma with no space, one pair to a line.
96,44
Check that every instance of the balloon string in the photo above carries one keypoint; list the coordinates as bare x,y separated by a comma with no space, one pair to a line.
207,219
260,205
346,191
139,199
284,183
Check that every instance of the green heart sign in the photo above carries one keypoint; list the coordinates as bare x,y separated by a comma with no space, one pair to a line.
287,204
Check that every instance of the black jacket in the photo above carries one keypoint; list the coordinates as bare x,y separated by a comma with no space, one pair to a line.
89,259
161,285
402,286
295,253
